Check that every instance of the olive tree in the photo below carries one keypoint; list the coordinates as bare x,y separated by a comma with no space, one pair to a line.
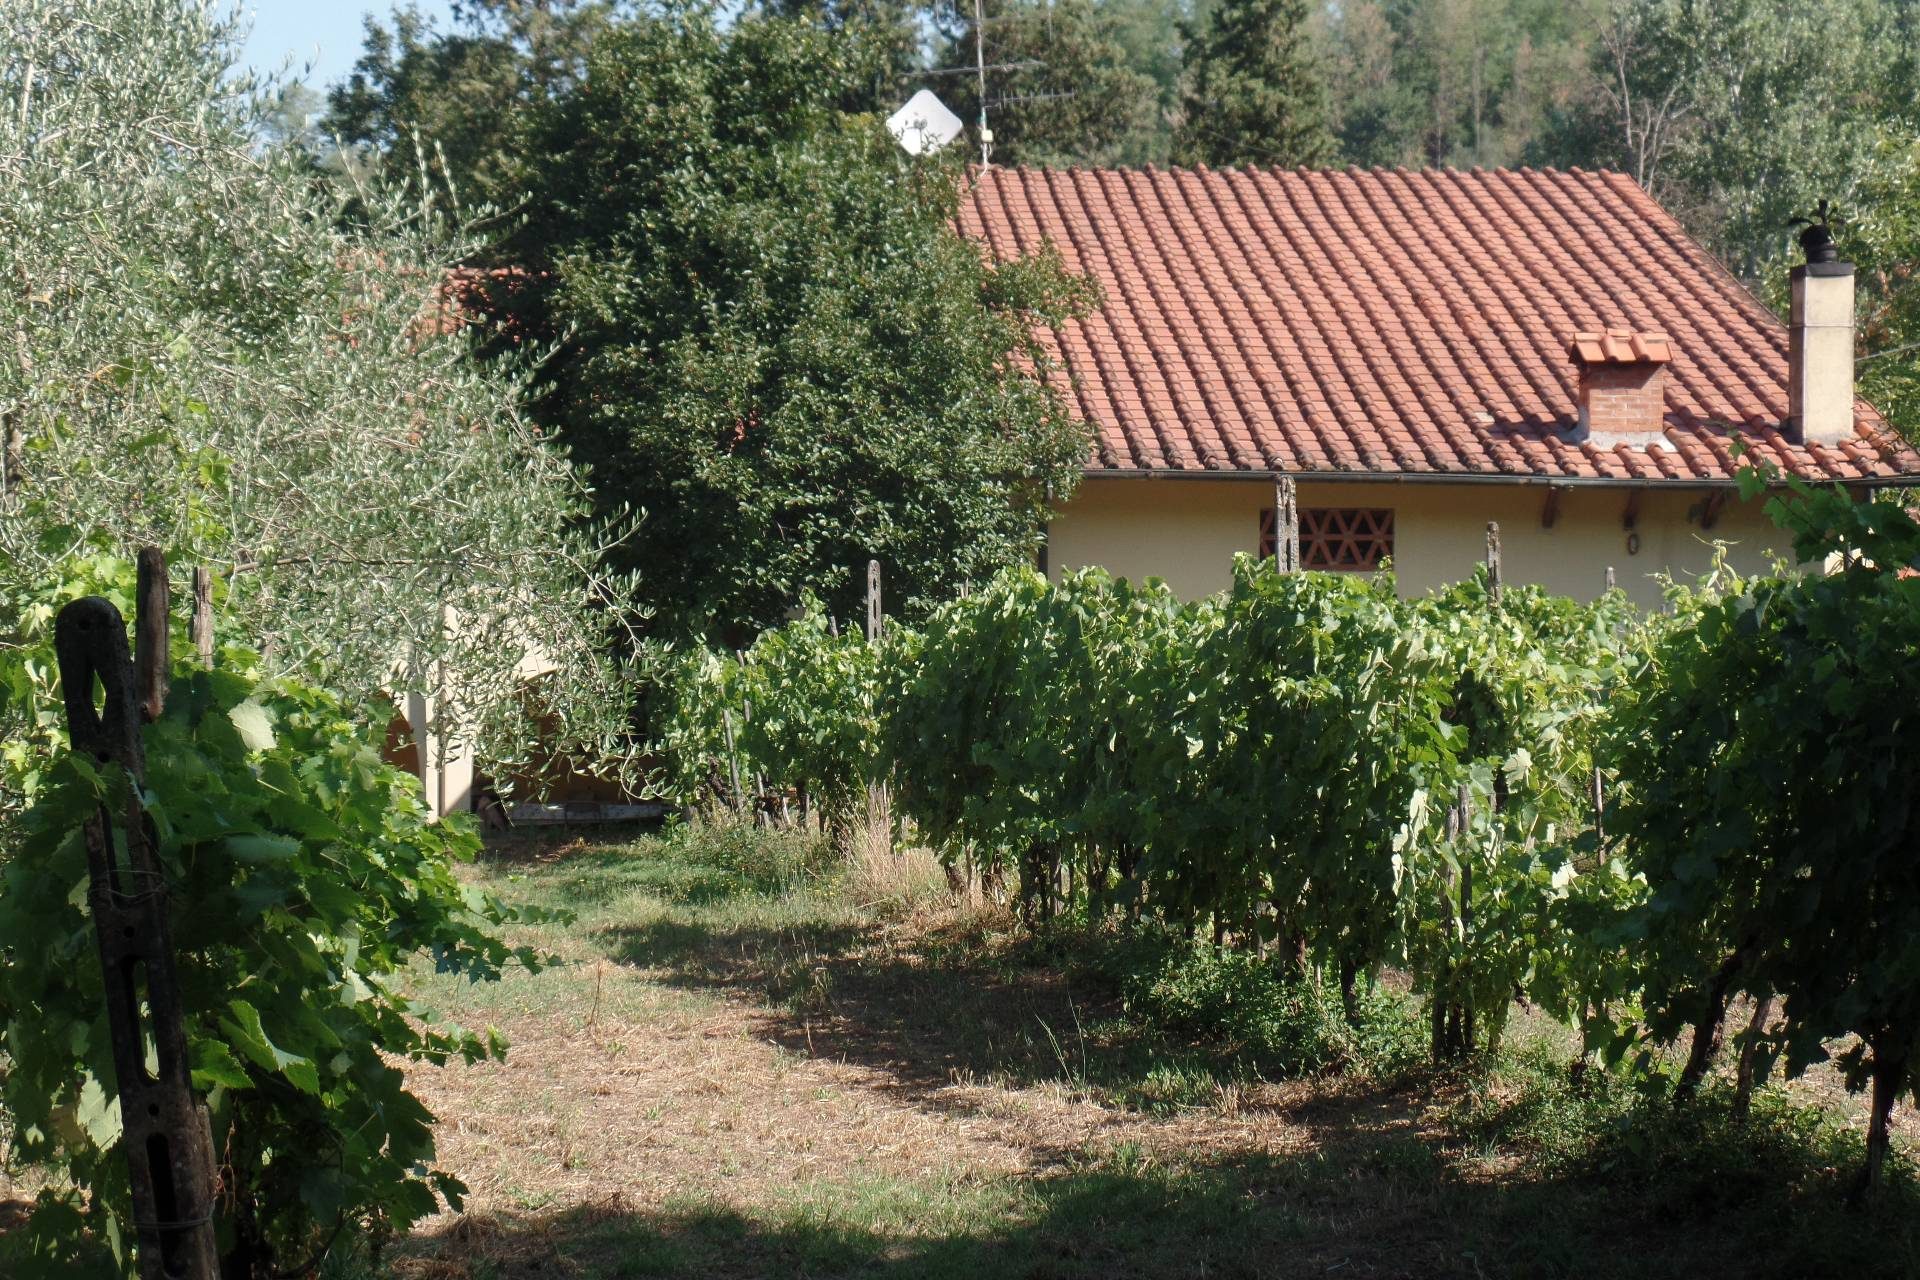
210,348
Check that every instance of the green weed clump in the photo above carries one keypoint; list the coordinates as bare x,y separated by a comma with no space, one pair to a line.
1279,1025
1582,1122
762,859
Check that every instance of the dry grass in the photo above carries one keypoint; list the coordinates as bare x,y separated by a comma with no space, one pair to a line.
871,1078
745,1069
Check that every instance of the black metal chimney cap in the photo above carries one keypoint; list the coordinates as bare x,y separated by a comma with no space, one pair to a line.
1818,243
1816,240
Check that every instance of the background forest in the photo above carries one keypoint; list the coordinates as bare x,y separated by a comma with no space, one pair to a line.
1732,112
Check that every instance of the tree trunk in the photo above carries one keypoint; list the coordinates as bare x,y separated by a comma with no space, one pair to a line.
1127,864
1706,1033
1293,942
1889,1073
993,882
838,819
1350,992
1749,1050
1036,884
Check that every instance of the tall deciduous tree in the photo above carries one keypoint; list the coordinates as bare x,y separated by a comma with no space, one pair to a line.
777,344
1448,81
1737,113
1253,94
453,104
893,29
1879,230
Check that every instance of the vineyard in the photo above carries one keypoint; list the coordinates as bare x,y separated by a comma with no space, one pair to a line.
1261,826
1632,824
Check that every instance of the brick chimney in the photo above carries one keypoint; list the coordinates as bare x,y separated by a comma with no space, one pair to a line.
1623,387
1820,343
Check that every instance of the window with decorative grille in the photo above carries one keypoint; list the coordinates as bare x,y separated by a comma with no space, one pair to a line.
1355,539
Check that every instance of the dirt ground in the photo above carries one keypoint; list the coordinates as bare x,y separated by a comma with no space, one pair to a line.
869,1077
741,1084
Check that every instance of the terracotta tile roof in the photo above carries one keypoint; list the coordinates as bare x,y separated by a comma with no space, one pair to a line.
1620,346
1391,321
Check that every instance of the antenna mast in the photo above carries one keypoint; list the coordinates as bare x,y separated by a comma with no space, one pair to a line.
980,67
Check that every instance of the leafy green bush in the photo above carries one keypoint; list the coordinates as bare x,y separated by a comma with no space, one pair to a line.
306,875
1767,798
1281,1024
797,709
1618,1128
764,859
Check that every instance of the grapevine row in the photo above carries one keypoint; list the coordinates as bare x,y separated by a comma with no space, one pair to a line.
1626,820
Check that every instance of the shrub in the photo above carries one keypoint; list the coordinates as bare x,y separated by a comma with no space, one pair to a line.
306,874
764,859
1282,1026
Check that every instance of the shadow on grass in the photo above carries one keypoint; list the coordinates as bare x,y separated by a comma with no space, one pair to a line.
957,1006
1535,1178
1393,1212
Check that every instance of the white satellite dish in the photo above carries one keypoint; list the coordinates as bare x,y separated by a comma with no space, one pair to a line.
924,125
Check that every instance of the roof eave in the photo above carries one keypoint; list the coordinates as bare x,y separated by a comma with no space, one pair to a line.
1474,478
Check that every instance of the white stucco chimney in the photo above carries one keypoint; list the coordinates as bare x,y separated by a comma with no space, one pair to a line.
1820,343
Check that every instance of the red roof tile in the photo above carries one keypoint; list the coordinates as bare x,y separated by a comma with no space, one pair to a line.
1620,346
1382,321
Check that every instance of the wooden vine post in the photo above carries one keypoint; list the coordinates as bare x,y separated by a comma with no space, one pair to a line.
1493,561
165,1134
1286,525
200,628
1452,1013
879,800
736,797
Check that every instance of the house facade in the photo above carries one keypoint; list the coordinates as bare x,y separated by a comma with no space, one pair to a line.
1423,353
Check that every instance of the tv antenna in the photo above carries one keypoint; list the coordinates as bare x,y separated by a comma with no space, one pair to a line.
980,68
979,71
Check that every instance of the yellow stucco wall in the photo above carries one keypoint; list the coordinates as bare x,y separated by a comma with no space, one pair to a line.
1187,531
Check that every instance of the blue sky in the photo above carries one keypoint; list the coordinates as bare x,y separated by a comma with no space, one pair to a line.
323,32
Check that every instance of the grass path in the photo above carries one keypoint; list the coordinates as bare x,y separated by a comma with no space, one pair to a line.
730,1080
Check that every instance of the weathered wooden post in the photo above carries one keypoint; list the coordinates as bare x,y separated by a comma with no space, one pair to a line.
1609,577
1493,561
1286,525
1442,1008
733,761
165,1135
879,801
1465,1039
200,628
761,813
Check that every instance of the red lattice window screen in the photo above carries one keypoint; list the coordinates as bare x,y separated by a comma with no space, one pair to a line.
1354,539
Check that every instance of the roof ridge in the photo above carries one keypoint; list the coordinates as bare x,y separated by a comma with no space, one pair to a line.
1278,170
